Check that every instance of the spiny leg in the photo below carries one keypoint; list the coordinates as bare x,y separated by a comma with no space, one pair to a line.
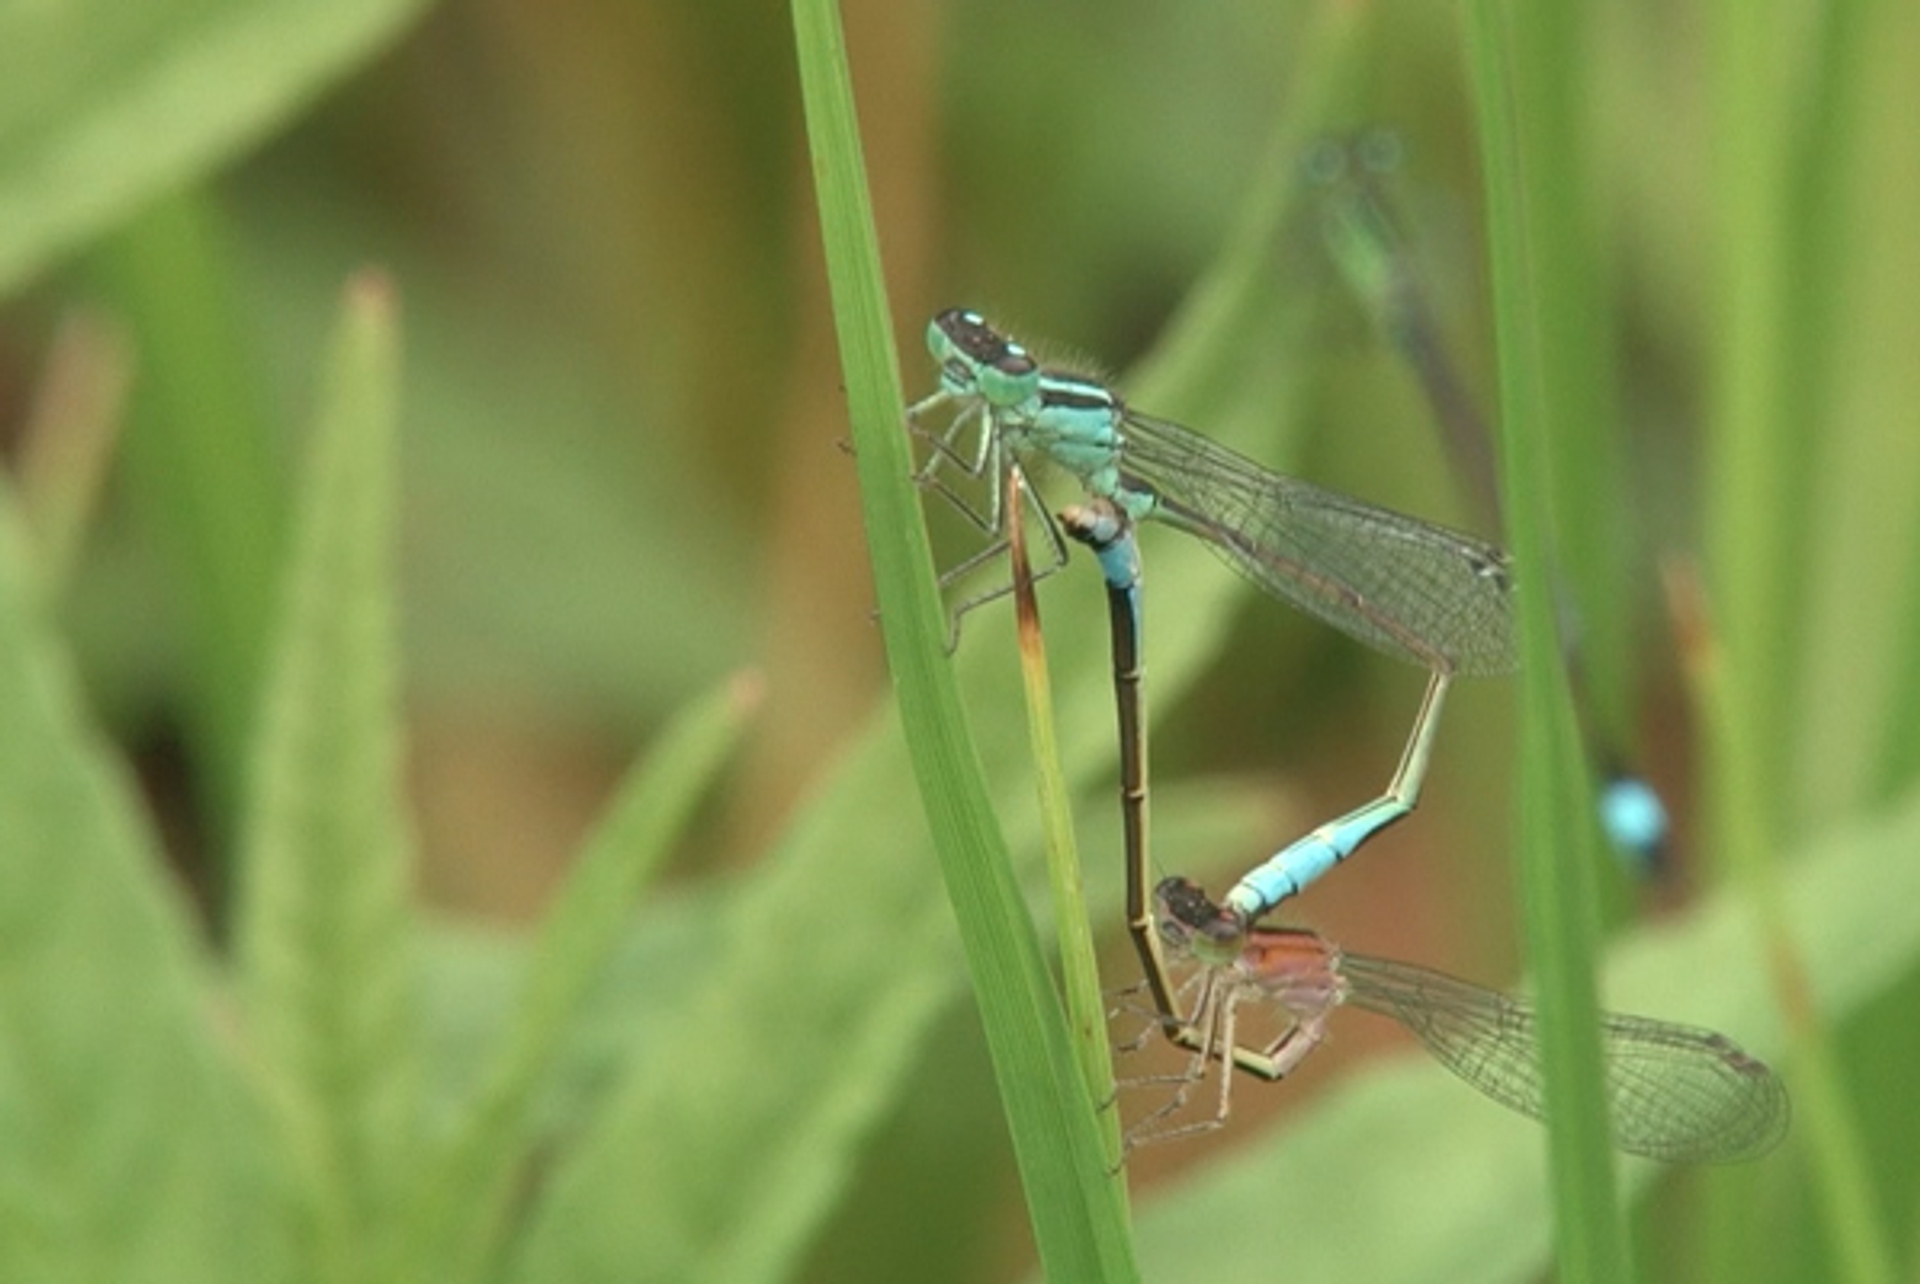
1155,1020
981,463
1217,1027
973,461
1056,558
1206,1037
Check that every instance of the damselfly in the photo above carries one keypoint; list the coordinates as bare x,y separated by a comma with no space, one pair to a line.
1429,595
1361,227
1675,1093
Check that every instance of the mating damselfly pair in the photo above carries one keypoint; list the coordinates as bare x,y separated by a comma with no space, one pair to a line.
1435,597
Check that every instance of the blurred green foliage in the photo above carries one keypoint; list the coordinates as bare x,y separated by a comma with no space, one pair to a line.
606,374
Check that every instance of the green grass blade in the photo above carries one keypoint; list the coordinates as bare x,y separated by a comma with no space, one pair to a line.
1786,691
1876,733
1758,462
1828,1128
1900,754
105,106
327,920
1516,72
135,1148
1077,1219
460,1223
1079,970
1833,767
203,474
1590,536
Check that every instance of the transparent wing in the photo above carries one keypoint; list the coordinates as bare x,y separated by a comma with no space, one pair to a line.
1676,1093
1433,596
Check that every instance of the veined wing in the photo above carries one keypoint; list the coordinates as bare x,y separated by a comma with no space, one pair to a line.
1436,597
1676,1093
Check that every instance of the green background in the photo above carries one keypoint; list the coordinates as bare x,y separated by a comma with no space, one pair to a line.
328,631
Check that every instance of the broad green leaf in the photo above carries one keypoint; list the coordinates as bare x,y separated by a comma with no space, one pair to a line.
326,926
104,105
731,1137
458,1228
131,1147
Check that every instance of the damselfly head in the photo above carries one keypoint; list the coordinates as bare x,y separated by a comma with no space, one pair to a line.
977,360
1190,923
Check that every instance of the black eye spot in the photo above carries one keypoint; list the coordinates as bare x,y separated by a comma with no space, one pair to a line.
1014,361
